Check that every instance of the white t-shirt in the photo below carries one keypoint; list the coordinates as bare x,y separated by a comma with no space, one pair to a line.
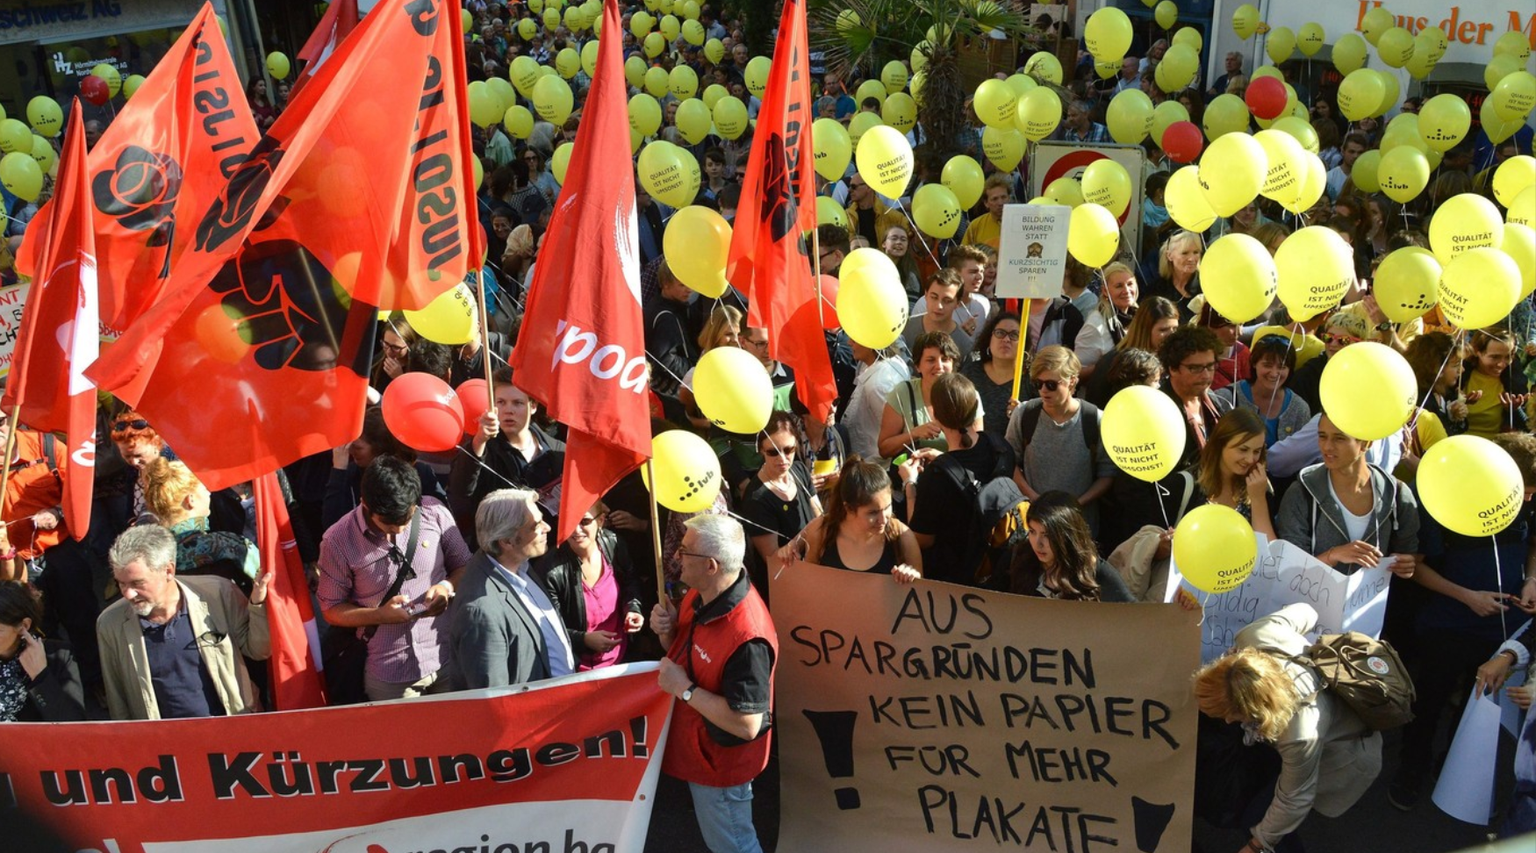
1355,526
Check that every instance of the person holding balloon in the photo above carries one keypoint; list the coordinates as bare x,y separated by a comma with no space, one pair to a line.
1479,599
1060,560
1231,472
1189,357
859,533
1178,269
1495,392
722,329
508,448
1263,393
1105,326
779,500
1328,756
908,424
1348,513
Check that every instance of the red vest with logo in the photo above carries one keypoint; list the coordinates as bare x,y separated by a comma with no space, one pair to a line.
691,754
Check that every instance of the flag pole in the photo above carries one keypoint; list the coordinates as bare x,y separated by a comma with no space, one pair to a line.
5,477
661,572
816,274
1018,355
485,339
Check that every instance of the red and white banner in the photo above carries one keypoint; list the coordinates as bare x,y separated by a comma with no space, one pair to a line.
571,764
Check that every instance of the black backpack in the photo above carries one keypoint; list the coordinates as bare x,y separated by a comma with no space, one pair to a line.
1030,421
996,521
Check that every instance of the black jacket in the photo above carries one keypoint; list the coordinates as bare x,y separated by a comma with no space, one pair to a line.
56,696
559,572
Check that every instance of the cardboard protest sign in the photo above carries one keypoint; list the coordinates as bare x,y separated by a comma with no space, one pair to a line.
1032,252
570,764
1285,574
12,300
937,717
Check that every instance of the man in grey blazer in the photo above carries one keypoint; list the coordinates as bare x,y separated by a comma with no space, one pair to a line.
504,629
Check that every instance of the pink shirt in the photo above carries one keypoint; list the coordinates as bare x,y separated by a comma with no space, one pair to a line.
603,614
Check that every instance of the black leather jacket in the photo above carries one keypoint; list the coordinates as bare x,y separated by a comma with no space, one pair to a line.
559,572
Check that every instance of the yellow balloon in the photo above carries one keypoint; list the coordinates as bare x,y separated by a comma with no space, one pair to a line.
14,136
1514,96
1479,288
1044,66
656,81
1497,129
1191,37
756,75
20,174
693,120
1367,172
686,470
524,73
518,121
551,19
1470,485
45,116
730,117
964,177
1143,432
1106,183
832,146
861,124
1394,93
714,51
936,211
1316,268
1310,39
1520,244
553,100
670,27
1021,84
683,82
1067,191
1361,93
111,76
1407,283
1376,22
634,71
1245,21
919,58
527,29
1232,170
1523,211
1368,390
1349,53
1286,165
1280,44
1186,202
696,242
1313,183
1166,114
899,111
693,32
1423,60
1395,47
1129,117
653,45
567,62
1093,235
644,114
1238,276
893,77
1180,64
131,84
829,212
996,103
485,108
869,89
1214,548
1512,177
1166,14
1108,33
43,153
713,93
506,96
1004,148
1226,114
1513,43
669,173
870,300
733,389
1464,222
1497,68
1403,173
562,158
1038,113
448,319
1299,129
1439,41
884,159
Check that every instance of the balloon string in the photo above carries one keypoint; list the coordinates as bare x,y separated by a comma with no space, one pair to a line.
498,474
921,238
1456,344
1498,584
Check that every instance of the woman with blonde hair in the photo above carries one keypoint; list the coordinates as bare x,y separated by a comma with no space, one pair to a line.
1328,755
1156,318
722,329
181,502
1106,325
1178,272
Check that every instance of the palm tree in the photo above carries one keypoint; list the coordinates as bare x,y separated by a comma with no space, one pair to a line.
866,34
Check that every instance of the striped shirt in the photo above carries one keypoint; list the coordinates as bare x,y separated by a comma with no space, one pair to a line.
355,569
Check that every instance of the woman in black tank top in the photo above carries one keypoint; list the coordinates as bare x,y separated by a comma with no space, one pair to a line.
858,532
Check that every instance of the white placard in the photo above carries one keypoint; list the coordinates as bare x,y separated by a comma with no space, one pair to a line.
1032,254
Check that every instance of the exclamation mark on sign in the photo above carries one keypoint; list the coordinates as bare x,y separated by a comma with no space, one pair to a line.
835,731
1151,819
637,726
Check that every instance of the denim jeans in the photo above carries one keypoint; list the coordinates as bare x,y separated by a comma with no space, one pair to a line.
725,817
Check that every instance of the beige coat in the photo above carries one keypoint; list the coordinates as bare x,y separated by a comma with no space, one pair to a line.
216,608
1329,757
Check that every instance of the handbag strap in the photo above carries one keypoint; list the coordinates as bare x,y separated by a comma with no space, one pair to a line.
399,578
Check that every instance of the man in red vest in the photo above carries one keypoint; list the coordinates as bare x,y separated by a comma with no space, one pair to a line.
719,664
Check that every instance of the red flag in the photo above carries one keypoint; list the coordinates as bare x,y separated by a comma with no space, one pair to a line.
160,164
588,363
357,197
769,260
295,663
48,389
338,22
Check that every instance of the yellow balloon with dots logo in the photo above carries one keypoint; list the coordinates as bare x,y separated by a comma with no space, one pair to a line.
833,148
733,390
936,211
870,299
1214,548
1444,121
684,473
1403,173
1368,390
1470,485
1407,283
1143,432
1238,276
829,212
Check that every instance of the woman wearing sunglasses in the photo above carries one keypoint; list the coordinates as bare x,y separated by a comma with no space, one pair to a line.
1341,330
591,581
780,501
1055,437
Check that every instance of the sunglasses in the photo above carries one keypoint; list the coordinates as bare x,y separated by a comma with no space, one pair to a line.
587,522
1329,338
777,452
122,425
1049,384
1006,335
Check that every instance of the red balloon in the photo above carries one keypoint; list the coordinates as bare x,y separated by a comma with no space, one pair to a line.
94,89
829,321
1266,97
1182,141
423,412
476,401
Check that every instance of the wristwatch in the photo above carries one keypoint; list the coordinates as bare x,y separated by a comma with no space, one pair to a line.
688,694
1384,326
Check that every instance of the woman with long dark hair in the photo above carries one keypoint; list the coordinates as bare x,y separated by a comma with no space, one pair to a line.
858,532
993,375
38,678
1060,560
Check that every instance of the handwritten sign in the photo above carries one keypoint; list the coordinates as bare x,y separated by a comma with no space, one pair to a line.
937,717
12,300
1032,254
1285,574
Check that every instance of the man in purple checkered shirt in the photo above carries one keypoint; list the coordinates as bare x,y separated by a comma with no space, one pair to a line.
359,558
